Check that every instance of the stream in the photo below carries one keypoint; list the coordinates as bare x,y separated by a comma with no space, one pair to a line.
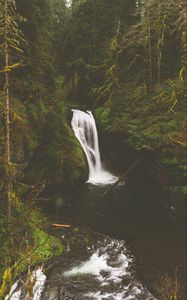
105,267
104,271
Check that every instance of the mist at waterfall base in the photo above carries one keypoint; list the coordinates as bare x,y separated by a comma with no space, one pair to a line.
84,127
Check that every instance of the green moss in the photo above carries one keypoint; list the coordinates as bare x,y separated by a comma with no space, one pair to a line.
58,158
44,247
27,241
47,246
103,115
75,166
145,122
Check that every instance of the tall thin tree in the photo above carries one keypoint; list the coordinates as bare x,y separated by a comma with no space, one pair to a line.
11,37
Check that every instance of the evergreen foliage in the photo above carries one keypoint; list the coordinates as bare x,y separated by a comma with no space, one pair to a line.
125,59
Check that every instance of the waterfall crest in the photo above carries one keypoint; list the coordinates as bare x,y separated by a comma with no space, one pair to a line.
84,127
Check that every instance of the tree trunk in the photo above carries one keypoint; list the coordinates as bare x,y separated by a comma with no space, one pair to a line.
149,46
7,119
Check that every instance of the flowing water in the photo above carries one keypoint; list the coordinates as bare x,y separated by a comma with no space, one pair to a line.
84,127
106,269
20,292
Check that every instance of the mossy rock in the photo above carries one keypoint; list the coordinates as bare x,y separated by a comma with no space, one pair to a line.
33,244
140,122
59,158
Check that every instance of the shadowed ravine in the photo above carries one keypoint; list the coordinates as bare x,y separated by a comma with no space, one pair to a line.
104,267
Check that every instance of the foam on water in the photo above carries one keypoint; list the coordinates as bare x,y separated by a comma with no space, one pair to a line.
113,296
39,277
111,277
14,295
93,266
111,266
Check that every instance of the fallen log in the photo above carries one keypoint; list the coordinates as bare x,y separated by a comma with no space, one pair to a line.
61,226
122,177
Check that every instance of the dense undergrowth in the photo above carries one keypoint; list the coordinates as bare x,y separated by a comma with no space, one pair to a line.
25,242
44,150
147,122
133,118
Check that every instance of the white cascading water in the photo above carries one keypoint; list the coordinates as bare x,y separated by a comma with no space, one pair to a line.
112,267
107,273
38,278
84,127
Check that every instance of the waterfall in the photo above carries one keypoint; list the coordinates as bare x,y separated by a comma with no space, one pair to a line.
84,127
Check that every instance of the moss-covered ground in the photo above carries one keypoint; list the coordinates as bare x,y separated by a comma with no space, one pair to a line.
25,242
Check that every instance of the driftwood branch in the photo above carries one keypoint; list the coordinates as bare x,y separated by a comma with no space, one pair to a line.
61,226
125,174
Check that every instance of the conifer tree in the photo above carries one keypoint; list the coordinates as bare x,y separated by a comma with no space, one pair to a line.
11,38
